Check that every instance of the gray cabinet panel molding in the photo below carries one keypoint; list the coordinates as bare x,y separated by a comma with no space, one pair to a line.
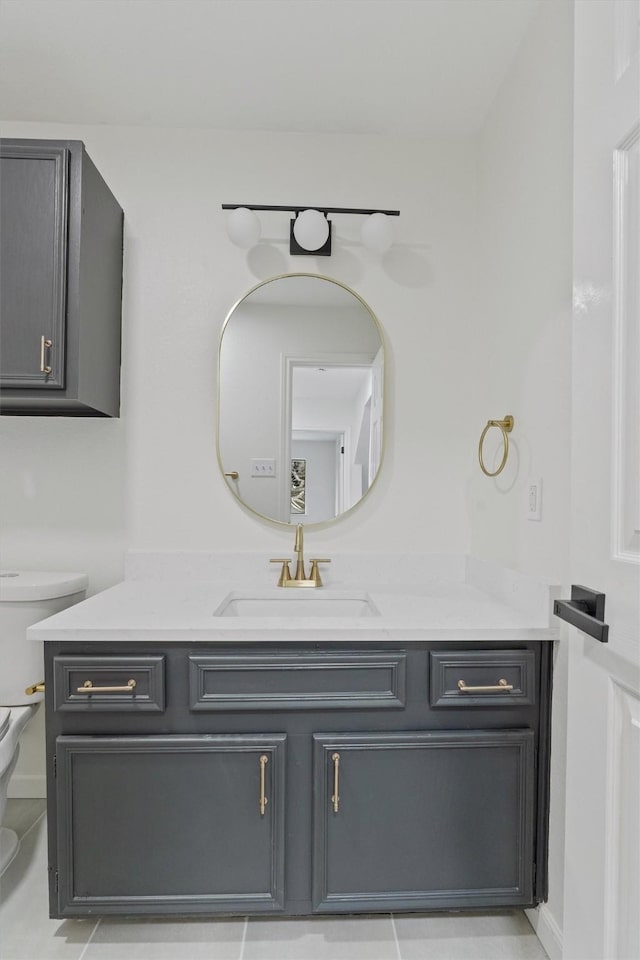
336,681
478,669
162,824
424,821
72,674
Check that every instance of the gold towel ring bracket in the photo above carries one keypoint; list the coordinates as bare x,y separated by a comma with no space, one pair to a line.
505,426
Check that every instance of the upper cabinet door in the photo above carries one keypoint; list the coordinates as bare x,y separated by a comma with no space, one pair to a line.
33,265
61,247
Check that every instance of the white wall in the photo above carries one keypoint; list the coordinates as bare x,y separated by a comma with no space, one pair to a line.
152,477
524,261
525,264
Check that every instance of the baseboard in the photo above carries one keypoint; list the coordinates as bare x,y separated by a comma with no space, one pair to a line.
27,786
547,930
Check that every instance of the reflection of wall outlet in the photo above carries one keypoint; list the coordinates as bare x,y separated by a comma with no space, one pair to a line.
263,468
534,499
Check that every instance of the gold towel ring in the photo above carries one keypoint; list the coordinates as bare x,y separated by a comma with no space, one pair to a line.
506,426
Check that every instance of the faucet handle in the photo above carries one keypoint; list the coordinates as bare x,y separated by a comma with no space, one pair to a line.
285,573
315,573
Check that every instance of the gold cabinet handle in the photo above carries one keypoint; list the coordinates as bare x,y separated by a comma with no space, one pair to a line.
35,688
233,474
501,687
45,344
335,799
264,760
88,687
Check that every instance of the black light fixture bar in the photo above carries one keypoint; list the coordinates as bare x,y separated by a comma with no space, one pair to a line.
309,206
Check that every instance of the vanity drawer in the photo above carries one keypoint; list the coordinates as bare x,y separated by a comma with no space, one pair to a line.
473,678
338,681
112,684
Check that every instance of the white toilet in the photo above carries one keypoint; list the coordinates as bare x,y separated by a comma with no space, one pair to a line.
26,596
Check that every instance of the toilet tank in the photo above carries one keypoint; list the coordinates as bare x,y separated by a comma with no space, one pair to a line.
27,596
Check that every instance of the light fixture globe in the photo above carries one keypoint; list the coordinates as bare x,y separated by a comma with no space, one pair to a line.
243,227
311,229
377,233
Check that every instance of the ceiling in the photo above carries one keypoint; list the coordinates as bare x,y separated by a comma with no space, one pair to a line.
417,67
335,383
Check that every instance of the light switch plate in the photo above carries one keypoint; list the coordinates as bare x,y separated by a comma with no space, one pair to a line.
263,468
534,498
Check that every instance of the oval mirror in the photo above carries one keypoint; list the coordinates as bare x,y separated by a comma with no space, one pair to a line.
300,399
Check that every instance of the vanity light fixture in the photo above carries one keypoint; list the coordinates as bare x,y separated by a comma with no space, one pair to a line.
310,229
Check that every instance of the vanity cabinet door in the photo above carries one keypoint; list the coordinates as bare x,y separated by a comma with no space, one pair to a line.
150,825
423,820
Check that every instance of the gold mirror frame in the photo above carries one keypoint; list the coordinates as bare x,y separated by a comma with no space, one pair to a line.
231,476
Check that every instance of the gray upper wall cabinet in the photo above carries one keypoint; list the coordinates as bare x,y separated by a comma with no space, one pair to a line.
61,234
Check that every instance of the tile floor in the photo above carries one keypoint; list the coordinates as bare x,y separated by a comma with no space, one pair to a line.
26,932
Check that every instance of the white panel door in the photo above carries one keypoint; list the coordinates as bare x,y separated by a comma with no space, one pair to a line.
602,851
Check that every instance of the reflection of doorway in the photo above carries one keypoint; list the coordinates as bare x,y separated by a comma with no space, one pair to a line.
326,408
321,451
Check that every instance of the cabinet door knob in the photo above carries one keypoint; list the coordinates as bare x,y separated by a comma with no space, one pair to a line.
45,344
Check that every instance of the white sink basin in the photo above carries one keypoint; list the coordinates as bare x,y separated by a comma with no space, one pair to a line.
297,604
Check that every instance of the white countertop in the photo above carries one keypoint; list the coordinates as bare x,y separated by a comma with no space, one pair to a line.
459,599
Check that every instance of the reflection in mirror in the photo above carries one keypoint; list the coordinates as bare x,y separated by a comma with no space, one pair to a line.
300,399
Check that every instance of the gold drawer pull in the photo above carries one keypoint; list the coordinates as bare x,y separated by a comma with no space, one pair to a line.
501,687
35,688
88,687
264,760
45,344
335,799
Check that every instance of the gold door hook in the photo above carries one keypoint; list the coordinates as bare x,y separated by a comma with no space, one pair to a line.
505,426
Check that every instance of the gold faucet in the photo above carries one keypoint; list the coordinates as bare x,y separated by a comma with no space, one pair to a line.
299,579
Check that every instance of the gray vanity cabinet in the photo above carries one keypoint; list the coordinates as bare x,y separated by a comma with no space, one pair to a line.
195,779
409,821
191,824
60,282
